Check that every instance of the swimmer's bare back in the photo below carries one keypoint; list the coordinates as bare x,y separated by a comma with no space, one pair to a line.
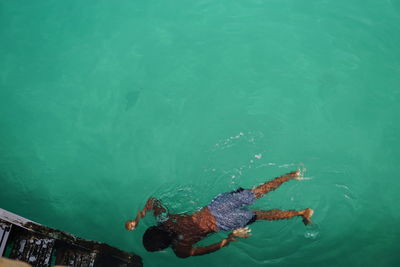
188,229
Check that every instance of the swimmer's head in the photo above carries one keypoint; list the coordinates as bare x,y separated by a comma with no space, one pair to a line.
156,238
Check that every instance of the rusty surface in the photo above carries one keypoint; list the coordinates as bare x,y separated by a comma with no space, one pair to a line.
32,249
40,245
74,257
81,243
5,229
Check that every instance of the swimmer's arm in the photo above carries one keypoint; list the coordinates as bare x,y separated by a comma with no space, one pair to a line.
184,252
187,251
155,205
151,204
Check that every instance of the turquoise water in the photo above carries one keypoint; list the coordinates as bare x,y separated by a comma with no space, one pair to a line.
105,103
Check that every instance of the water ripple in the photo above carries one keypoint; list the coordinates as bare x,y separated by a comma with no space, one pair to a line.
276,241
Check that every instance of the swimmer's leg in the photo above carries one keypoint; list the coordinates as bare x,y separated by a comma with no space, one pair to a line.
269,186
271,215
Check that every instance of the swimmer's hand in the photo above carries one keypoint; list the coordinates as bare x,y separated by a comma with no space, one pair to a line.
240,232
131,225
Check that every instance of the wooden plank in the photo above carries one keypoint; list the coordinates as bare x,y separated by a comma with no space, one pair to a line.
13,263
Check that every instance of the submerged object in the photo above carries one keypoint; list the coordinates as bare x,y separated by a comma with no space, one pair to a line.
39,245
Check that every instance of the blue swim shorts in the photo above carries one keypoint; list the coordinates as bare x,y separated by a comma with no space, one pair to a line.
227,208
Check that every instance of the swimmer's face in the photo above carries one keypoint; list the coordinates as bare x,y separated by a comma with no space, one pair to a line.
130,225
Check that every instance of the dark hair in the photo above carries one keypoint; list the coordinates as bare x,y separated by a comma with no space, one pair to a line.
157,238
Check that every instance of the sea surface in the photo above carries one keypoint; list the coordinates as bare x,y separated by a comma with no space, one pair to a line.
106,103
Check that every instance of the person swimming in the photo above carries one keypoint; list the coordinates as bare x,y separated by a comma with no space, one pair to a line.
226,212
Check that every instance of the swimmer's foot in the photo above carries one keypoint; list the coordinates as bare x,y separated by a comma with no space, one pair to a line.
242,232
307,213
299,175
